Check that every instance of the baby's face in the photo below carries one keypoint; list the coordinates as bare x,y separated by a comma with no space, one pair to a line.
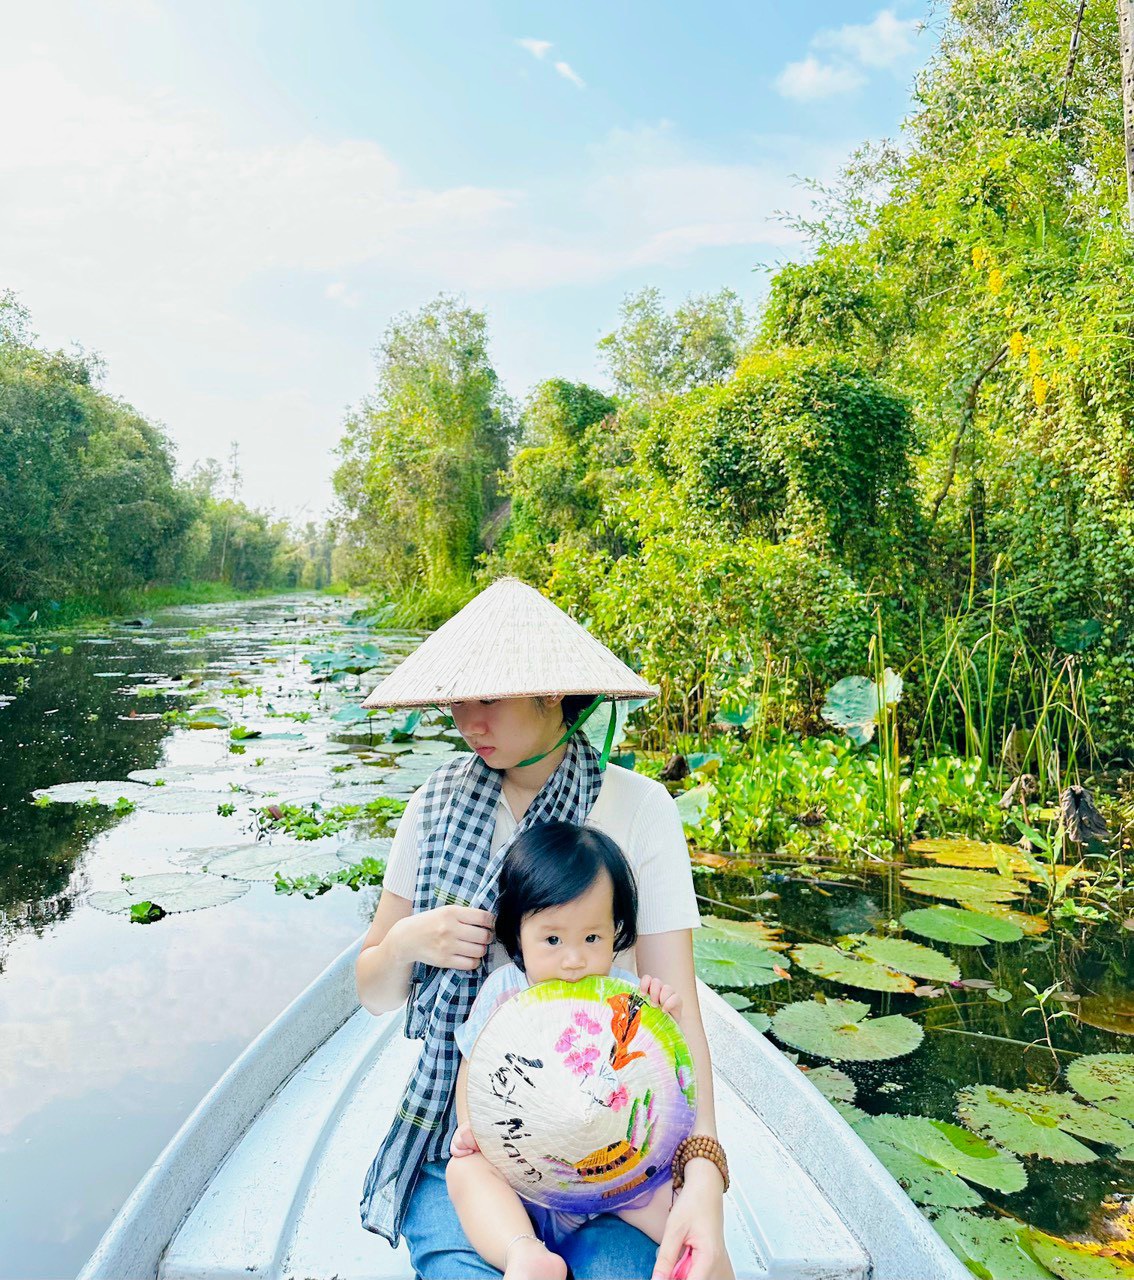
574,940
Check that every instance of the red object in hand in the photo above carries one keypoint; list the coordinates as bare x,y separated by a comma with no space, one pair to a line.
683,1265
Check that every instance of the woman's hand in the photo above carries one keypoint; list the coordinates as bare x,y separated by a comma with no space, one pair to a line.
446,937
696,1220
662,995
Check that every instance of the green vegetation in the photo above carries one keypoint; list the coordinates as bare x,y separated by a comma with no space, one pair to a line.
93,516
314,821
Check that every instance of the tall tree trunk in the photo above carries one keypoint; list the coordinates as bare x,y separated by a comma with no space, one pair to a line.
1126,43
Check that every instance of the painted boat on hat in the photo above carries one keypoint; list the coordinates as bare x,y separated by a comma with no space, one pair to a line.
264,1177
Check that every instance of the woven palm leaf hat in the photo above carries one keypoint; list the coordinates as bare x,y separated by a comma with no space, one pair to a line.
508,642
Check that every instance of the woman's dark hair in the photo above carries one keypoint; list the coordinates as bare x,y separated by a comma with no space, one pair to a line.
555,862
573,706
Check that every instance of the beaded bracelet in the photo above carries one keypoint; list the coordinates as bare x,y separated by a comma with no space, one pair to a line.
699,1144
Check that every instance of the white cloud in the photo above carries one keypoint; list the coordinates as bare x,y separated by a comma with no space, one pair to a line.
883,42
340,291
236,281
537,48
810,80
886,42
569,73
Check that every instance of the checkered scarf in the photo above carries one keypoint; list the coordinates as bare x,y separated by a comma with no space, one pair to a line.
456,865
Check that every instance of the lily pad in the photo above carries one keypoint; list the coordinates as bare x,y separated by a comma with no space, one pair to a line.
1028,924
1107,1080
908,957
759,1020
992,1248
1082,1259
735,1001
107,793
854,703
975,855
1040,1124
833,1084
724,962
843,1031
1108,1011
845,966
263,861
934,1161
758,932
977,887
960,926
172,891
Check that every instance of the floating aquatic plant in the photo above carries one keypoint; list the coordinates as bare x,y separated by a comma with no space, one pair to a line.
934,1161
173,891
844,1031
725,962
960,926
1048,1125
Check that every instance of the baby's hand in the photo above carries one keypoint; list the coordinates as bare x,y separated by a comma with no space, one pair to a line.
463,1144
661,994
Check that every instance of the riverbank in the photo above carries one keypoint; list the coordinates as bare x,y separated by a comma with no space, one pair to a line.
103,606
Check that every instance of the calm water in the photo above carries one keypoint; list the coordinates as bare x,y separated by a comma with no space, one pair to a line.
111,1032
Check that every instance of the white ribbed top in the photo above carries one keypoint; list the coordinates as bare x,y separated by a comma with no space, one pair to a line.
638,814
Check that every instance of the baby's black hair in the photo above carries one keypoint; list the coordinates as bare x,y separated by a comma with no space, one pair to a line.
555,862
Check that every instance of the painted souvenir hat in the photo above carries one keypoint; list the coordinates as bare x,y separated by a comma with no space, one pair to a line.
579,1092
507,642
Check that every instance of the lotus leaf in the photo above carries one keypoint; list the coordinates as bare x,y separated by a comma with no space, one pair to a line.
931,1157
960,926
846,966
106,793
724,962
967,886
1107,1080
204,718
693,804
1108,1011
992,1248
853,704
183,800
1028,924
1038,1124
1111,1259
975,855
760,1021
759,932
263,861
908,957
172,891
833,1084
736,1001
843,1031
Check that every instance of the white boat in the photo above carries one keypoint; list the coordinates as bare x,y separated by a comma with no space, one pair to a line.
264,1178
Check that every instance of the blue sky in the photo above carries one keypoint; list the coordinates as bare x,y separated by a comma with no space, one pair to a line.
230,200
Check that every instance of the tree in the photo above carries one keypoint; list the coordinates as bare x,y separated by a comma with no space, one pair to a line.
421,457
653,354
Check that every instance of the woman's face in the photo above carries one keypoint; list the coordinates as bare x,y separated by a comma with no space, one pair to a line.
573,940
509,730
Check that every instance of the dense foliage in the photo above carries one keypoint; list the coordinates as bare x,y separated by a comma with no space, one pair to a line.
930,424
90,500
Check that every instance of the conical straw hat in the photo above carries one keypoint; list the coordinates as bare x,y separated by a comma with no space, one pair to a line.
507,642
579,1093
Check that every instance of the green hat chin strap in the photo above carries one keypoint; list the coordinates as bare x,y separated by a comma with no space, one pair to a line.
604,757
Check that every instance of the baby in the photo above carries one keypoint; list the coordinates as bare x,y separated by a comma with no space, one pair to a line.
567,903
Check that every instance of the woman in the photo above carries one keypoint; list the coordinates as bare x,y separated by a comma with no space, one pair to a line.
519,676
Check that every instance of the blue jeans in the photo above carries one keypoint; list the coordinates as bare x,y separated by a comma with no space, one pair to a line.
605,1248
